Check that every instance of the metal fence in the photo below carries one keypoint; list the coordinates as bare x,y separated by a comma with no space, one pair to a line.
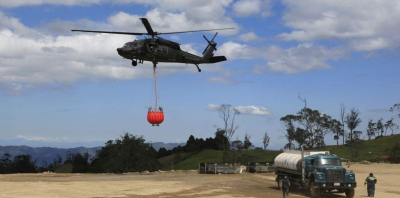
260,167
219,168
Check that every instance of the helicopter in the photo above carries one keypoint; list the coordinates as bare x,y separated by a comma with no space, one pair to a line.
157,49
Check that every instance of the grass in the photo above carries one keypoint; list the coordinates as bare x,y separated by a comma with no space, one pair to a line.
370,150
65,168
214,156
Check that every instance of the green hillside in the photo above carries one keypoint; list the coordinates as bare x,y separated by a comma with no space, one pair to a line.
215,156
370,150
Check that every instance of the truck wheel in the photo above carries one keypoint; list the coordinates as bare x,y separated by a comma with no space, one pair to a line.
279,181
349,192
314,191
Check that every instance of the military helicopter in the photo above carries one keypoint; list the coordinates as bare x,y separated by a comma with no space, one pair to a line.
157,49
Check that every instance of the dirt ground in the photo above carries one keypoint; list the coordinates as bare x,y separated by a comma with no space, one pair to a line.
178,184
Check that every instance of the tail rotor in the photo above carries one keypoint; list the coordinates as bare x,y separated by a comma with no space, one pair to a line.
210,43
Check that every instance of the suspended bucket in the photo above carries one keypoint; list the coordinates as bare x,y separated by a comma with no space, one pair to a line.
156,117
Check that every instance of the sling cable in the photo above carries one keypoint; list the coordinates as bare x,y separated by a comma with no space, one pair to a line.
155,116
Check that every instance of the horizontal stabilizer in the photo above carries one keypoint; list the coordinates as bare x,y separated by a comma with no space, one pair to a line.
216,59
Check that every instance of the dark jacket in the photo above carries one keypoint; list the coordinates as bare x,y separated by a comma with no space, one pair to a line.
371,180
285,183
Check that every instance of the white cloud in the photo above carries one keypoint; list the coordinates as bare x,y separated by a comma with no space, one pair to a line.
165,15
249,37
249,110
213,107
245,8
364,25
29,59
235,51
62,59
253,110
47,139
162,21
304,57
222,79
189,48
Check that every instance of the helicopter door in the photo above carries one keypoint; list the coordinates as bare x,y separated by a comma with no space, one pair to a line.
162,52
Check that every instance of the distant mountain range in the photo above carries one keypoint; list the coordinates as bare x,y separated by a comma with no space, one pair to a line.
47,154
168,146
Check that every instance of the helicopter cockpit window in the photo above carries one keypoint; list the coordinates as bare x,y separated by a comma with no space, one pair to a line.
140,44
159,50
165,50
131,44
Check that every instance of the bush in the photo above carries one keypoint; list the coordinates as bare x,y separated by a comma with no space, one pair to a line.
394,153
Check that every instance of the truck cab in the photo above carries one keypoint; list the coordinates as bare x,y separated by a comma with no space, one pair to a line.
327,172
317,172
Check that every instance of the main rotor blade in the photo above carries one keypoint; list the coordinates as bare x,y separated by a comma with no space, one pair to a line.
126,33
195,31
214,36
147,26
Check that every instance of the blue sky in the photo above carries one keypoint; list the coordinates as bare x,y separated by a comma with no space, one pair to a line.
59,88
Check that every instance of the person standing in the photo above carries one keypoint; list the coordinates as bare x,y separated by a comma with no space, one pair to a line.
285,187
370,182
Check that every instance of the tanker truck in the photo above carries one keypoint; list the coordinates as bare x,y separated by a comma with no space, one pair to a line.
316,171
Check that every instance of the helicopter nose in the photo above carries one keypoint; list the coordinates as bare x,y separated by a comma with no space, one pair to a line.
121,51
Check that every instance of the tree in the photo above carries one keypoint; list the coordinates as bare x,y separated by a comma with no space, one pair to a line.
337,129
80,163
23,164
371,129
342,113
266,139
228,114
386,126
356,145
162,152
309,127
396,107
379,127
394,153
128,154
193,144
220,139
290,131
391,125
237,145
246,143
5,164
352,121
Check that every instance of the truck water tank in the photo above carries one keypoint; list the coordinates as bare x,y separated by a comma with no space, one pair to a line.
288,161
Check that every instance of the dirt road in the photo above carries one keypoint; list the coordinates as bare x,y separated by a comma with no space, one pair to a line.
176,184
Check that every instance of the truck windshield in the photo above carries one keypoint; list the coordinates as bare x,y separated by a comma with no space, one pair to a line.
329,162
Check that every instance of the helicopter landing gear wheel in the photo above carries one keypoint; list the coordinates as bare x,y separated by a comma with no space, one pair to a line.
134,63
198,68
